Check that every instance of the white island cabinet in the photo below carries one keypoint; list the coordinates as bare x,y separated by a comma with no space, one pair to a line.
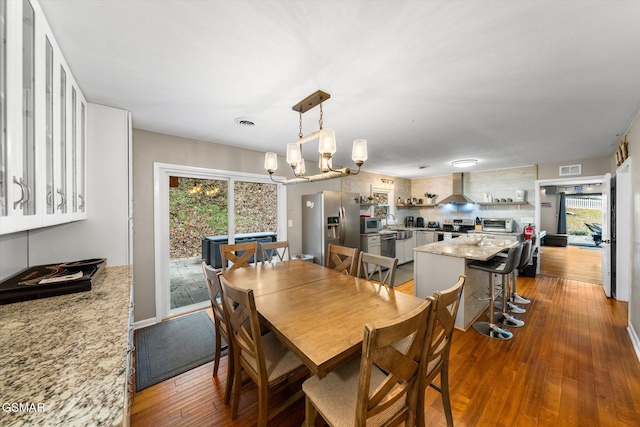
438,265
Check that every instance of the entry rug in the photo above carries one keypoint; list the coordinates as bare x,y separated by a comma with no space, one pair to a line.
170,348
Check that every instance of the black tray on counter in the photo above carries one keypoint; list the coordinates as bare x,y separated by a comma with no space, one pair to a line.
77,276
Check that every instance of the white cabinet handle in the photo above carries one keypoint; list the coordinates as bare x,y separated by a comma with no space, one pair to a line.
23,200
64,199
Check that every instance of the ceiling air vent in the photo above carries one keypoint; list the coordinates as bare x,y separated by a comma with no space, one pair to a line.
570,170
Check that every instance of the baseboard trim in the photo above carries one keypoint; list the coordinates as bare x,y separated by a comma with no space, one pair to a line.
634,340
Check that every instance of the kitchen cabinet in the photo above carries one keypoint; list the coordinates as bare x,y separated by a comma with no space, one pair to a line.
42,153
404,250
425,237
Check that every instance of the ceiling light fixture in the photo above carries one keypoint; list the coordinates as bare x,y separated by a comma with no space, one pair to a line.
464,163
326,148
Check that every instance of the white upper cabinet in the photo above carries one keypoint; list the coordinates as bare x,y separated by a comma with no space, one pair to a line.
44,126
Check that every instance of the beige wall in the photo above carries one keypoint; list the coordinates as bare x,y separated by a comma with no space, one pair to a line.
590,167
633,137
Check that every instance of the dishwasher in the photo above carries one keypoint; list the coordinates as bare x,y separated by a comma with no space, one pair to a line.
388,245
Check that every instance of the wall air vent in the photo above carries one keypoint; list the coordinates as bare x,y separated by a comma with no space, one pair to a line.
570,170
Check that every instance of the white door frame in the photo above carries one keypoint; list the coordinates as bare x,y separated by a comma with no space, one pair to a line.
161,174
623,239
561,182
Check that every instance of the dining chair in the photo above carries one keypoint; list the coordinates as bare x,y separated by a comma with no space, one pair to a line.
437,347
271,250
221,323
370,264
238,254
264,358
342,258
381,386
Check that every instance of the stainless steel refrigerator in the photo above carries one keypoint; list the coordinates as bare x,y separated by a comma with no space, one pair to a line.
329,217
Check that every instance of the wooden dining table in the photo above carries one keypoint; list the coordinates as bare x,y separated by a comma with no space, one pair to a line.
319,313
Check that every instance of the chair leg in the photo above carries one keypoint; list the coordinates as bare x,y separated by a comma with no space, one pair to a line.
263,392
236,386
444,390
216,357
309,413
230,378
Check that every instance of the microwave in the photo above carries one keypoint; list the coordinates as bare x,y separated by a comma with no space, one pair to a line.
497,224
370,224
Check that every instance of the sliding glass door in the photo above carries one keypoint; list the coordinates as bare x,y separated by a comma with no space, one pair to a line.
197,210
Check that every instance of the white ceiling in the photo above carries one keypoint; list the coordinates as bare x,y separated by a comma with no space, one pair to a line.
425,82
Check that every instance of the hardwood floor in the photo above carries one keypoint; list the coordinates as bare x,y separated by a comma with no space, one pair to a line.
572,262
572,364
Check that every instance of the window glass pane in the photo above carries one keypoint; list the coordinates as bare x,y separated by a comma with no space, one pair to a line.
256,207
198,223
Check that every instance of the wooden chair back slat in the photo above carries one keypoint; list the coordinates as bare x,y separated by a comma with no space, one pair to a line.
271,250
342,258
377,263
238,254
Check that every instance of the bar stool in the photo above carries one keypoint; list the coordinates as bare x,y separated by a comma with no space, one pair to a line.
504,267
515,298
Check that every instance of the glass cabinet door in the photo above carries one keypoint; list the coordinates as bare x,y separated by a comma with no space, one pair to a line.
62,189
74,150
49,148
3,109
27,180
82,157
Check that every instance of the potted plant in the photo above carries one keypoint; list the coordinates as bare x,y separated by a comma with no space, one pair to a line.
431,198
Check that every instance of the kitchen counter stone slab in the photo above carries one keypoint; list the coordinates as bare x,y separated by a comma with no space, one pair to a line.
459,249
65,356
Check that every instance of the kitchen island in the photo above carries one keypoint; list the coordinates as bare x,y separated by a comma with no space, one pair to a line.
64,358
438,265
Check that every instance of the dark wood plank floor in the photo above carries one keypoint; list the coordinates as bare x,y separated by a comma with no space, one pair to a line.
572,364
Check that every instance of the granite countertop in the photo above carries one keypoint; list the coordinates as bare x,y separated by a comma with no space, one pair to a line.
65,356
459,249
498,233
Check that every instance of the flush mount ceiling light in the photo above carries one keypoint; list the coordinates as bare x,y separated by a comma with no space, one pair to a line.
464,163
326,148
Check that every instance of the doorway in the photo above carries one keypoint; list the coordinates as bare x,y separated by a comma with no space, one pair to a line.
191,204
586,202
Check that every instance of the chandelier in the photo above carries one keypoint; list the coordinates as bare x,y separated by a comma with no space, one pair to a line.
326,148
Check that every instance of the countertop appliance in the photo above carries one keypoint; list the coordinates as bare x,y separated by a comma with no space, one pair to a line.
370,224
329,217
408,221
420,222
497,224
433,224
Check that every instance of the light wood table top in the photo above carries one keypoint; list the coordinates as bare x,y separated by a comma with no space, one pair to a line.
317,312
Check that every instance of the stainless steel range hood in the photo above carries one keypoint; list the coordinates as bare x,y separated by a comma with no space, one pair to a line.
457,198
